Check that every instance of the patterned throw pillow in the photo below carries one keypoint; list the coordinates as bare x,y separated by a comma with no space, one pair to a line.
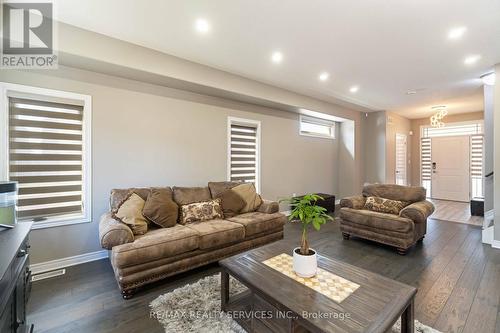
383,205
201,211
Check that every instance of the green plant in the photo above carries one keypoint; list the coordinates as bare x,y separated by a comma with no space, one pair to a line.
305,209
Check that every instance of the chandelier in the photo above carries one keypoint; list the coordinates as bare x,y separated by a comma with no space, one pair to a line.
436,119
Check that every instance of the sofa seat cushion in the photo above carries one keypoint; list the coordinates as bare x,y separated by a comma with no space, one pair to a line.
257,222
156,244
214,233
380,221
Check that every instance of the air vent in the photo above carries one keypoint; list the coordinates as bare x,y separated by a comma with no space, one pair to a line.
48,275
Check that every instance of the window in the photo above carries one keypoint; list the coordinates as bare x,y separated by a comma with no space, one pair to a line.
244,151
452,129
476,166
46,149
426,165
317,127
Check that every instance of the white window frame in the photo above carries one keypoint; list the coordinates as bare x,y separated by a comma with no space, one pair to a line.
244,122
317,135
9,89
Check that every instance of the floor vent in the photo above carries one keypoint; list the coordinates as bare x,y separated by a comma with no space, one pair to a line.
48,275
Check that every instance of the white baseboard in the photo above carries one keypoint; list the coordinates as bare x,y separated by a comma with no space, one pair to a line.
495,244
67,262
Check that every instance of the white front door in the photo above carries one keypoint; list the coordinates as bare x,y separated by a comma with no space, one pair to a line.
450,168
401,159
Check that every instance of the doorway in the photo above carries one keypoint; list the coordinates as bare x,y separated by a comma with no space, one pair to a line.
401,159
450,157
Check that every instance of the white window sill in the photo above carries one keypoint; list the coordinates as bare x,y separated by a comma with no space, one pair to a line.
319,136
58,222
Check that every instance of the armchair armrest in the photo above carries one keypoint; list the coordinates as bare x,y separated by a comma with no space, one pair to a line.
418,211
269,207
113,233
354,202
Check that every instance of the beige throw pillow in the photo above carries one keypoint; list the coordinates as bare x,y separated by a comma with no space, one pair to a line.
130,213
201,211
248,193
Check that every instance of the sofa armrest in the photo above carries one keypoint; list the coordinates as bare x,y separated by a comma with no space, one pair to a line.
113,233
354,202
418,211
269,207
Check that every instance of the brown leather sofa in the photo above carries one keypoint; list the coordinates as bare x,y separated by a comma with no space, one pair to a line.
401,231
162,252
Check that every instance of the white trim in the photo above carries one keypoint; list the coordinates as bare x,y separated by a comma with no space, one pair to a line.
258,147
68,261
495,244
15,90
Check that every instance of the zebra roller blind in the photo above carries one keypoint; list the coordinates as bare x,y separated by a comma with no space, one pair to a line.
45,157
244,152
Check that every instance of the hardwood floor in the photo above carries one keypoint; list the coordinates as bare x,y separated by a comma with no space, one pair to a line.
455,211
458,280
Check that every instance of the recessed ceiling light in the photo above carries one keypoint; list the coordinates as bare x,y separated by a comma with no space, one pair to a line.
354,89
324,76
457,33
471,60
411,92
277,57
202,26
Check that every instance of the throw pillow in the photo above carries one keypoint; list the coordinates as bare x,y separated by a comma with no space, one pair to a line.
160,208
232,203
130,213
216,188
201,211
248,193
383,205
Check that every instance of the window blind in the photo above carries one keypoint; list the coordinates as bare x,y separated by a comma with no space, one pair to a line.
476,165
45,157
426,164
317,127
244,153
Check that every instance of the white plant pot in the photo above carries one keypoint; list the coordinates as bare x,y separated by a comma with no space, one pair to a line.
305,266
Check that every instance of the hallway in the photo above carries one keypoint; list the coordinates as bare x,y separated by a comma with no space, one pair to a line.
455,211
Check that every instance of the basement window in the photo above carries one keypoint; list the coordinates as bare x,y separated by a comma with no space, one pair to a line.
317,127
45,147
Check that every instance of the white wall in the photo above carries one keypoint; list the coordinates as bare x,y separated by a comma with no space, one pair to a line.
496,150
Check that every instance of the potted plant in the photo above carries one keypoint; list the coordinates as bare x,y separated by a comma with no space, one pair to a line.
305,262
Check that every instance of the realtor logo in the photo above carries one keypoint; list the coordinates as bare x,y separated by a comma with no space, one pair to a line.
28,35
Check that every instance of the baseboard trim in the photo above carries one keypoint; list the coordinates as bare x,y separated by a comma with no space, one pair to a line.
67,262
495,244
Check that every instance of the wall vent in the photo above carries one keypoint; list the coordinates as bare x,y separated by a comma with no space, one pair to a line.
48,275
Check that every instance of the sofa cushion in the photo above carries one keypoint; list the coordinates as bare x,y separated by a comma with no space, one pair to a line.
119,195
383,205
257,222
201,211
130,213
188,195
160,208
156,244
248,193
217,188
215,233
377,220
395,192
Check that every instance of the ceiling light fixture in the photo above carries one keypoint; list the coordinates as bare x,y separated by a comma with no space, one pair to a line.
202,26
277,57
488,78
471,60
324,76
439,115
354,89
411,92
456,33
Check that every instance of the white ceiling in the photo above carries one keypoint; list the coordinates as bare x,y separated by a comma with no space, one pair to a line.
387,47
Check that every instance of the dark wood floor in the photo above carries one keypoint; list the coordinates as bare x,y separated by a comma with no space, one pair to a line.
458,281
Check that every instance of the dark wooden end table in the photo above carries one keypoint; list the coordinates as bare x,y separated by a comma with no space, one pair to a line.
278,303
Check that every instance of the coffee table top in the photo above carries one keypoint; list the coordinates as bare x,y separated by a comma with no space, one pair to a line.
373,307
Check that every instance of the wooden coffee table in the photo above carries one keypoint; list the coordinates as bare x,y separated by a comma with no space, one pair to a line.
275,302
